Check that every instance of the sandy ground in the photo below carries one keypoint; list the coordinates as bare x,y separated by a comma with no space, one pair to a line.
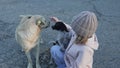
107,11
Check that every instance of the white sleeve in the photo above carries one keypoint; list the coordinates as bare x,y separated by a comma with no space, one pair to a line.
68,26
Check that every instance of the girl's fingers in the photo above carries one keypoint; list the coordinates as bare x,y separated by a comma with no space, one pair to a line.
55,19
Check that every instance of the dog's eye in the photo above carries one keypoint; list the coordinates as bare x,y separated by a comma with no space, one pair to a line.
29,17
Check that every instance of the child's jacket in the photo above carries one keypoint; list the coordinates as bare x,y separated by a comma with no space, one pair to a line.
80,56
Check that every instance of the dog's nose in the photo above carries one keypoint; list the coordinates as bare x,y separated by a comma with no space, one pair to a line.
53,27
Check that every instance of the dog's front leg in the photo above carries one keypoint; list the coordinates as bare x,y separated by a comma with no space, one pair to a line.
51,60
37,56
29,60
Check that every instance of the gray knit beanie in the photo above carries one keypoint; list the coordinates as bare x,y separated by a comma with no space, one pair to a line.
85,24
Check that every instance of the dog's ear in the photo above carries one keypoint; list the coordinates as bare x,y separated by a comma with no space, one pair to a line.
21,15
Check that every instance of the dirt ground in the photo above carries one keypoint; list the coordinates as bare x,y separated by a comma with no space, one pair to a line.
107,11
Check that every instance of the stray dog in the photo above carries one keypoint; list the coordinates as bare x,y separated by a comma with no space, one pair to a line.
27,35
64,36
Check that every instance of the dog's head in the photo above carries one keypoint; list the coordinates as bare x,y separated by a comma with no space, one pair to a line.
60,26
36,19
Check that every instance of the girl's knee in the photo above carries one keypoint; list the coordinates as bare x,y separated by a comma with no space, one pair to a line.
57,55
55,48
55,51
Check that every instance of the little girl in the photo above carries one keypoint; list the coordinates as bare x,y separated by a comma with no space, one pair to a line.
80,50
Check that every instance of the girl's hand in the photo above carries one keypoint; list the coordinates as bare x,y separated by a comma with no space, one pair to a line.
54,19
